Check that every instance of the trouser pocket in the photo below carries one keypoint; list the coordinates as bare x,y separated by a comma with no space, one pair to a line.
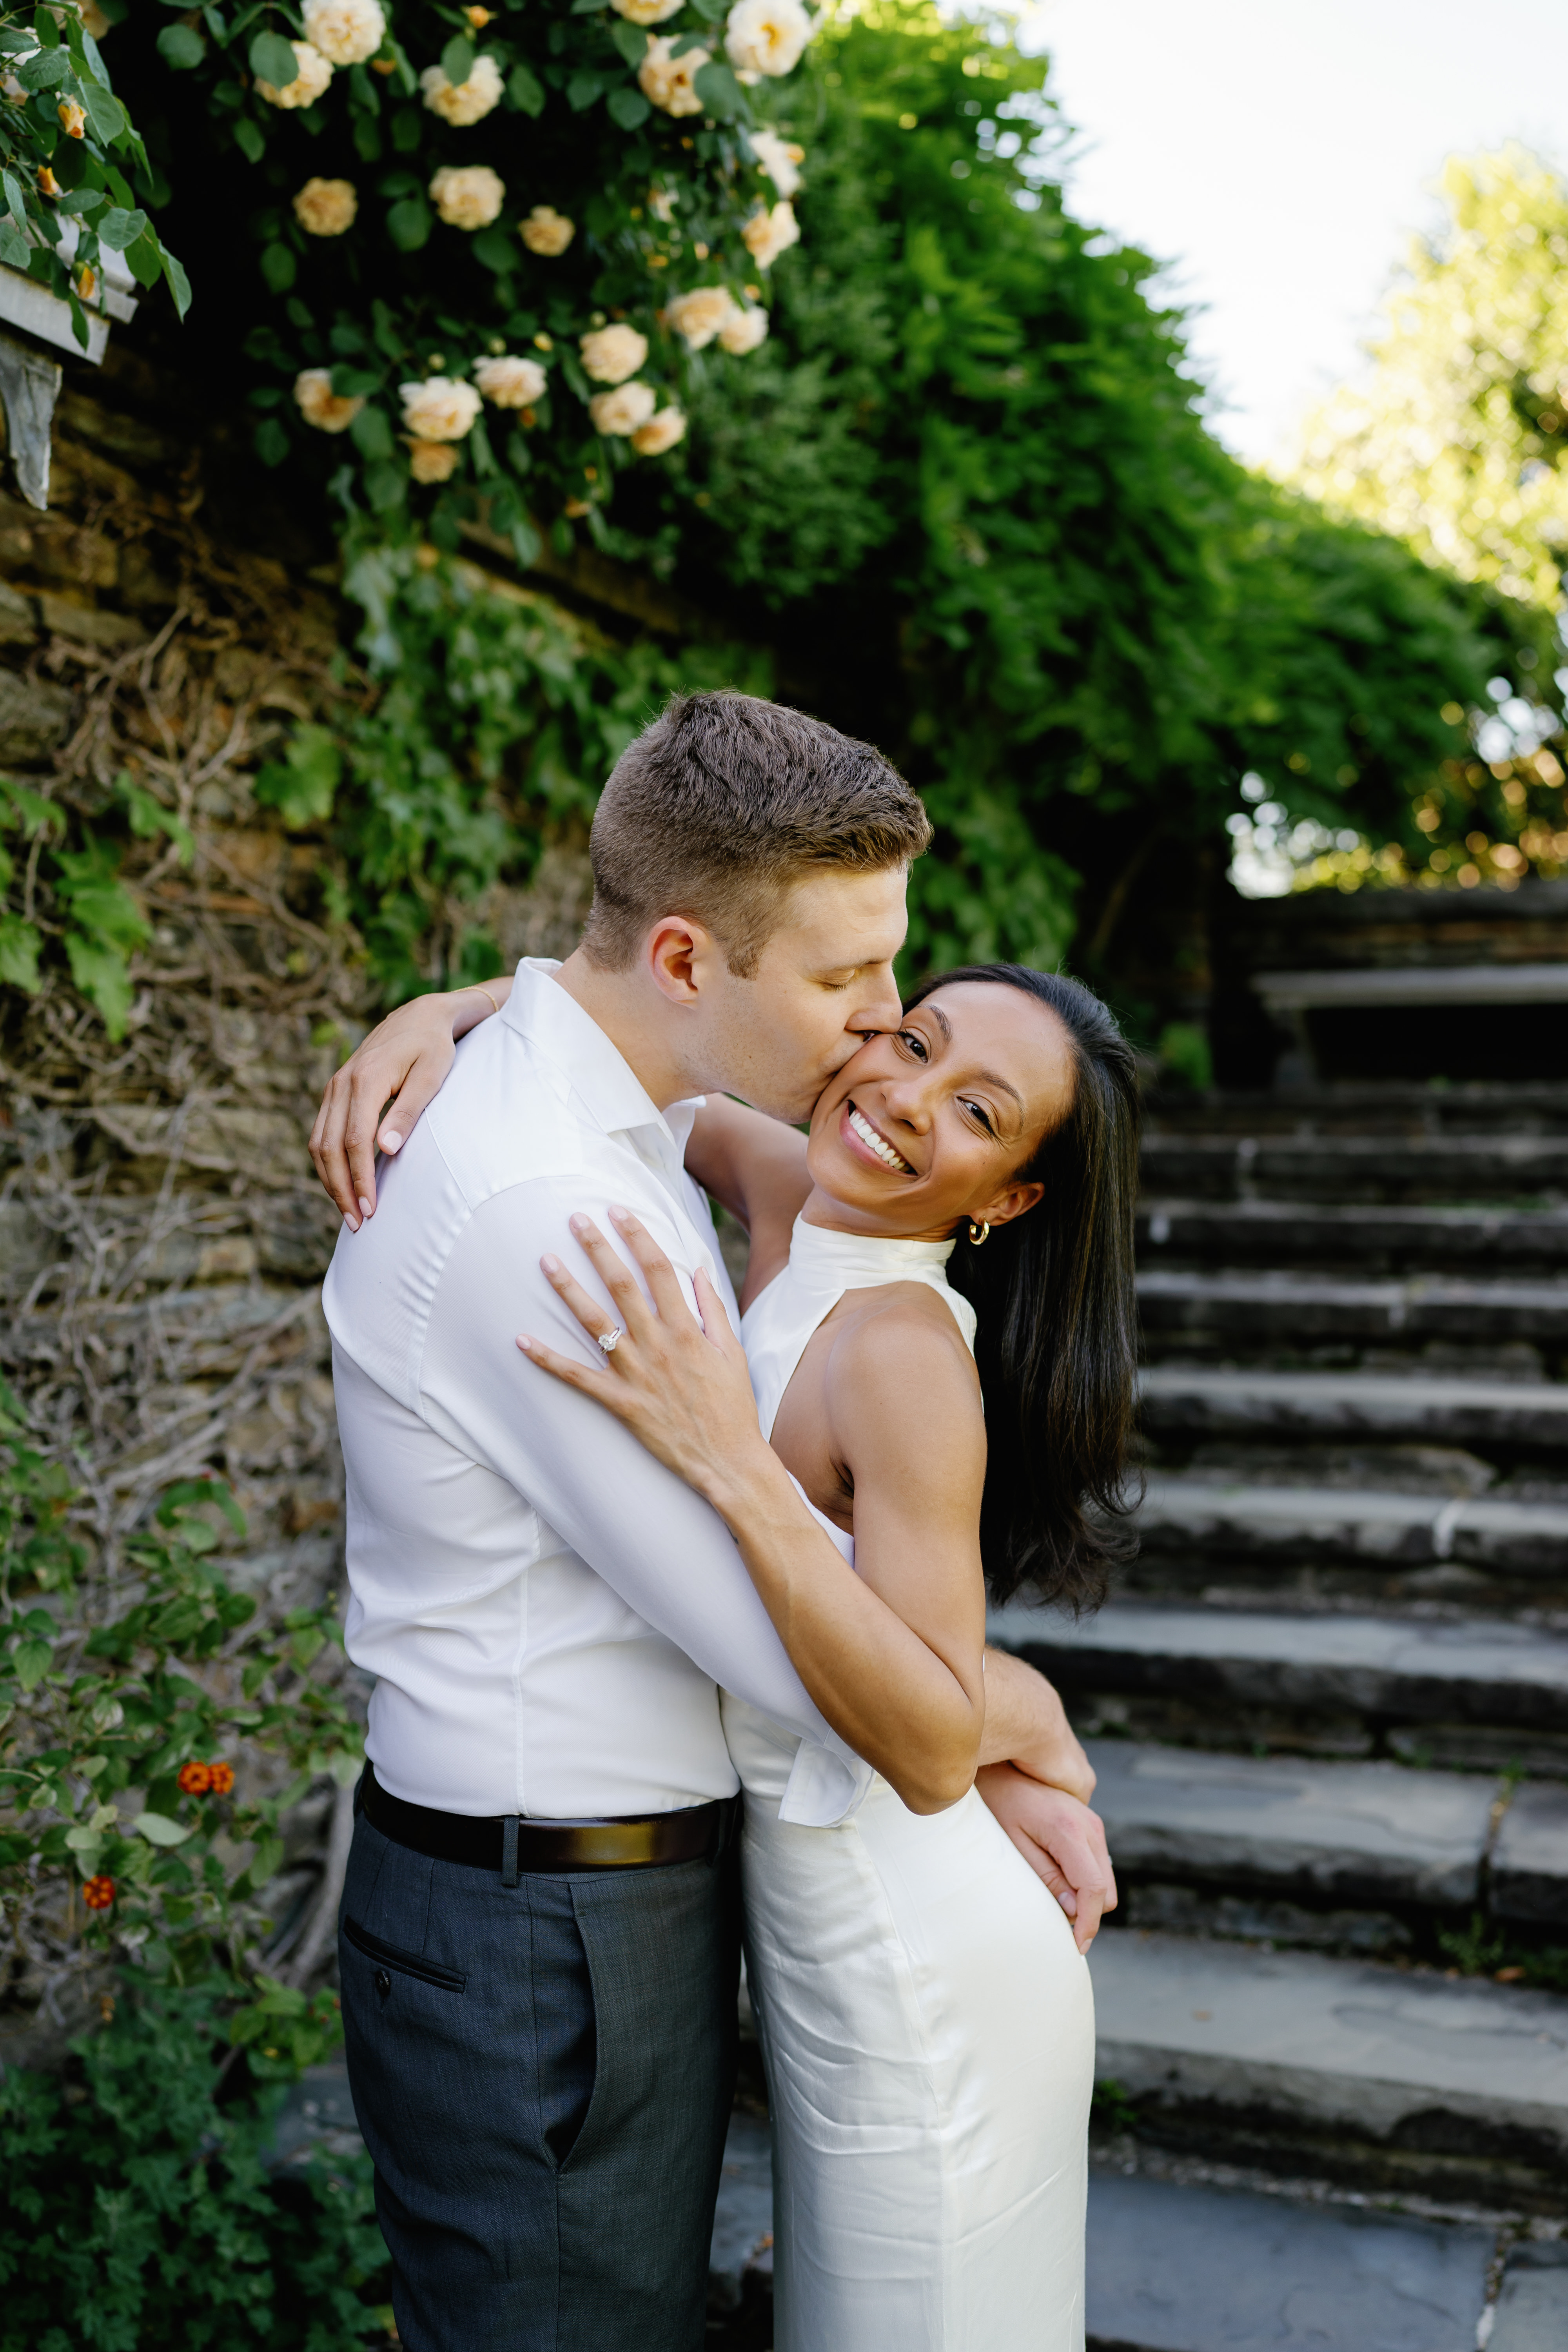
392,1958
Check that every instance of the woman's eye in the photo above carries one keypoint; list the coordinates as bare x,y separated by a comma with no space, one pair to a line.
914,1043
978,1110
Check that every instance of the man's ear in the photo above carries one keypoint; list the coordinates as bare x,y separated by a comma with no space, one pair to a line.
677,954
1013,1200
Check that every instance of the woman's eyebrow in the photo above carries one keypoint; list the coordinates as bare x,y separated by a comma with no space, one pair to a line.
1003,1085
986,1077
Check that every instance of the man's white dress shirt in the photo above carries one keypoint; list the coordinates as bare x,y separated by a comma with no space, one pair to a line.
547,1610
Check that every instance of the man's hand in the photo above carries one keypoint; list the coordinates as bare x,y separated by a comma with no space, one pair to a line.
1027,1725
1062,1841
404,1059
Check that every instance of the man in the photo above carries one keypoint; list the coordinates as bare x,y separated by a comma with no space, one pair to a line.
538,1941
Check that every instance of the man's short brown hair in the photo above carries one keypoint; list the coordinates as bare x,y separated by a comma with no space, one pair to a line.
721,806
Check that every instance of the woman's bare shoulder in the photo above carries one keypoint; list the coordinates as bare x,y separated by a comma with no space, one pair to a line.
896,1342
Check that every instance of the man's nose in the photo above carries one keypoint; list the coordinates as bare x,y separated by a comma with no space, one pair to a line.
882,1007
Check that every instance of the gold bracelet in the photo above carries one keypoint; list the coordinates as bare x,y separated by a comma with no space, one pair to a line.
478,988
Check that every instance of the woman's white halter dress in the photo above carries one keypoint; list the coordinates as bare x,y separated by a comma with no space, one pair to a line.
925,2016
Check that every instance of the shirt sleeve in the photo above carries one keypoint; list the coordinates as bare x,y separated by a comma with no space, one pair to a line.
657,1544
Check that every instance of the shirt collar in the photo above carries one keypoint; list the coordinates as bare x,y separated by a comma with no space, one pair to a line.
596,1069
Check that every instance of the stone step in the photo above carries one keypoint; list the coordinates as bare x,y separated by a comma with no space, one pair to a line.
1499,1167
740,2258
1289,1310
1180,2267
1189,1401
1394,2074
1276,1232
1340,1832
1414,1108
1529,1875
1183,1519
1392,1670
1531,2308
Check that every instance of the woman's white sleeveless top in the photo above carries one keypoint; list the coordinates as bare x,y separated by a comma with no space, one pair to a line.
774,1330
823,1265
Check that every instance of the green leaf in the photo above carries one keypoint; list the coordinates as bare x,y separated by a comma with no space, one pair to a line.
104,979
19,947
458,58
266,1862
409,224
496,248
720,91
583,89
385,486
14,248
279,267
302,786
98,900
159,1830
182,46
118,228
14,203
32,1660
272,60
249,140
105,113
526,90
631,41
629,108
49,67
145,258
179,285
148,817
270,442
370,433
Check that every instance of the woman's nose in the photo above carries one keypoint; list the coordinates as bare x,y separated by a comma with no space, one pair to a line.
907,1100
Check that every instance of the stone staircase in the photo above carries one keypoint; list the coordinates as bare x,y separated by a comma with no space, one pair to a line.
1329,1709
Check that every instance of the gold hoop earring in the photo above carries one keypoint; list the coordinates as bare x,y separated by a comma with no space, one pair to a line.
977,1233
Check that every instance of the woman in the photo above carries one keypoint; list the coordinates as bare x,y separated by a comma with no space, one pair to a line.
923,2008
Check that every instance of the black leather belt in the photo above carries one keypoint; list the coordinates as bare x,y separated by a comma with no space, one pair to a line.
514,1846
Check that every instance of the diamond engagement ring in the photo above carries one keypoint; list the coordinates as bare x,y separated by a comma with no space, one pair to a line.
608,1339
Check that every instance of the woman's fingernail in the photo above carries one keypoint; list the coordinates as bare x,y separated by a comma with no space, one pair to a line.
552,1265
623,1216
367,1208
578,1223
527,1346
391,1140
352,1223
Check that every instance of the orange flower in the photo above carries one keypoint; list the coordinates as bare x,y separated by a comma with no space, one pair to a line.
222,1781
48,183
195,1780
97,1894
86,282
73,120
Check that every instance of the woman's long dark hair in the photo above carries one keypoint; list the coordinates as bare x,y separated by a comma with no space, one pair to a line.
1057,1336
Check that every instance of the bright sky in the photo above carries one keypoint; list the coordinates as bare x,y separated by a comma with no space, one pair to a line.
1279,155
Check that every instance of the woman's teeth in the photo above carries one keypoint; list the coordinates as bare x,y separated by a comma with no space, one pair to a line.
874,1142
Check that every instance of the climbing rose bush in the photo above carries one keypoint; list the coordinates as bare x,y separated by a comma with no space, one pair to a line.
456,206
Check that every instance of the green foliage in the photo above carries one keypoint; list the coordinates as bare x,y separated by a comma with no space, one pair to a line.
496,721
74,895
973,455
407,289
141,1679
137,2214
66,146
1485,1949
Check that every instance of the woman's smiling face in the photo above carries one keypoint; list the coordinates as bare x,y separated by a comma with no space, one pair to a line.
927,1124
